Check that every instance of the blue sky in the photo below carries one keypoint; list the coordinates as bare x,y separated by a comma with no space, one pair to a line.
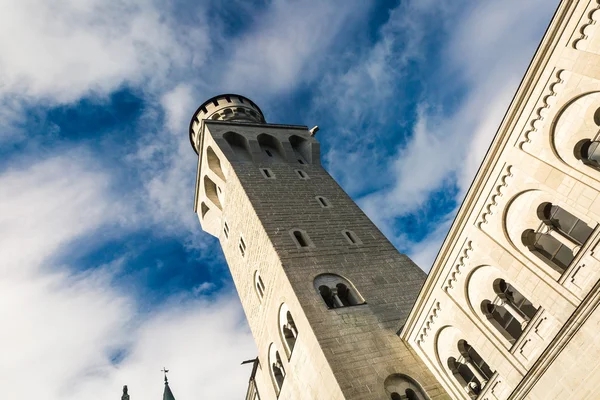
105,274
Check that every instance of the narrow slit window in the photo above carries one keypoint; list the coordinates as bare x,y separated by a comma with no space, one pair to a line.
351,237
267,173
323,202
226,230
260,286
301,239
300,161
242,247
268,153
302,174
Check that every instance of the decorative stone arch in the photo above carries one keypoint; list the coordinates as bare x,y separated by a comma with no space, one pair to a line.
271,147
239,145
276,369
445,347
504,309
337,291
214,163
574,134
302,149
287,330
403,387
529,232
466,370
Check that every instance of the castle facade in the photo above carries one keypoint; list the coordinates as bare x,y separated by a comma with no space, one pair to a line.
509,309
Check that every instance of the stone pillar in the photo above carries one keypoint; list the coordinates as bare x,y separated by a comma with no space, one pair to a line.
566,241
516,313
483,381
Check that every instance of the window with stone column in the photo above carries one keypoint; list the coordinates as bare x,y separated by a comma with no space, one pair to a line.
588,152
276,368
509,311
558,238
403,387
337,292
469,369
287,329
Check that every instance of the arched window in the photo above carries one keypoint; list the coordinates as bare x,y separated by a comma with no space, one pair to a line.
214,163
403,387
240,146
271,147
210,188
470,370
502,320
559,238
564,222
276,367
287,329
259,286
337,292
514,299
549,249
302,149
301,238
509,312
588,151
204,209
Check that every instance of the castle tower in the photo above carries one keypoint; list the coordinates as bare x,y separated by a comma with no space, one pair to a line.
325,293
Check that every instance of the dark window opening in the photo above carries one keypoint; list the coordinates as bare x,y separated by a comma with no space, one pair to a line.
350,236
323,202
267,173
226,230
268,153
300,161
242,247
299,236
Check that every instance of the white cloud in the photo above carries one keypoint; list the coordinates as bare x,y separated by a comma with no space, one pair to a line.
488,46
63,50
168,165
62,327
289,45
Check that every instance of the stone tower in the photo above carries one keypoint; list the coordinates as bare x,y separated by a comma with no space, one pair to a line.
325,293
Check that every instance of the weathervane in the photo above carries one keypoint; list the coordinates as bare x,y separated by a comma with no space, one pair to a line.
165,370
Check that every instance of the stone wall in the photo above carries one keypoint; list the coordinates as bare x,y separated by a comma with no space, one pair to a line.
530,163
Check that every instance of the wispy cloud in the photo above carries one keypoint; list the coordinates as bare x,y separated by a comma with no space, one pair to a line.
68,328
484,52
288,44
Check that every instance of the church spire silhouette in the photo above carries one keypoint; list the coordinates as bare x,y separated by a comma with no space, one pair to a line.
125,393
167,394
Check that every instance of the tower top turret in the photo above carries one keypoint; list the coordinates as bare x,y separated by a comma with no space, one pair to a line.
225,107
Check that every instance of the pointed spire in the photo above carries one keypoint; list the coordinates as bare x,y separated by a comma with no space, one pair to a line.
167,394
125,394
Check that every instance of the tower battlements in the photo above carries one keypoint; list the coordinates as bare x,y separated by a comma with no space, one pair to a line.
224,107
